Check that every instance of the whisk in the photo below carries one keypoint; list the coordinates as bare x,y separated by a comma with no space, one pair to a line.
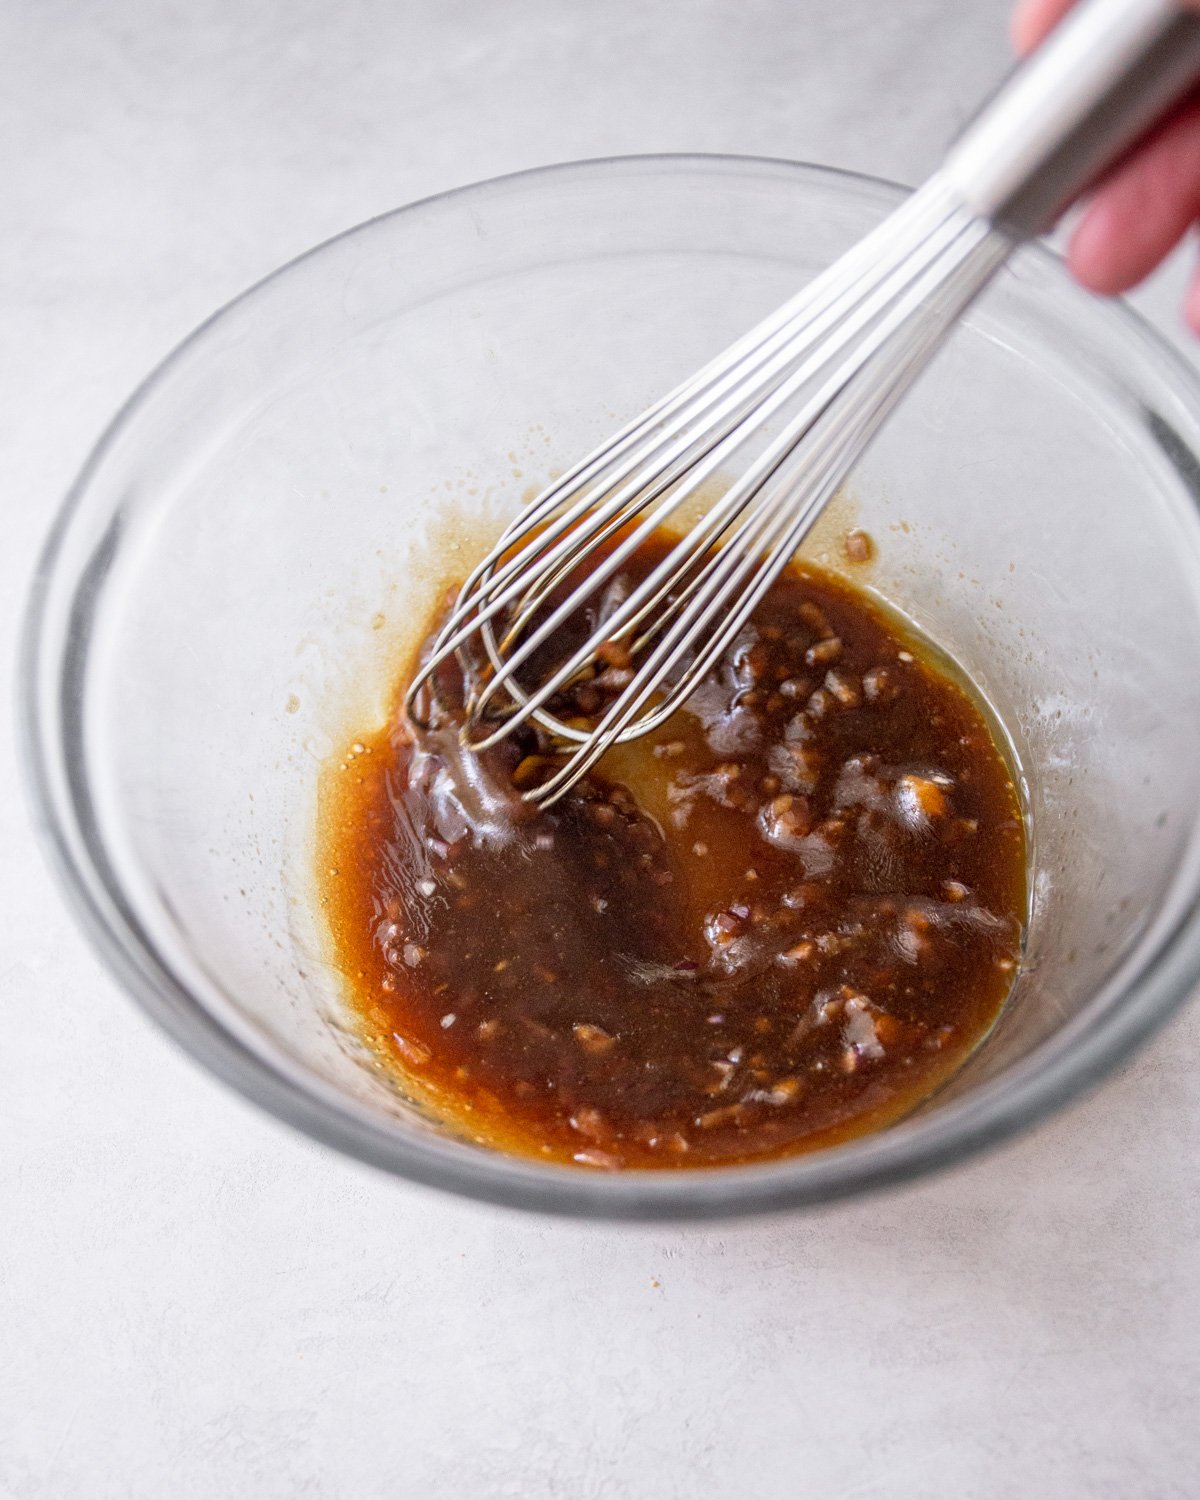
789,408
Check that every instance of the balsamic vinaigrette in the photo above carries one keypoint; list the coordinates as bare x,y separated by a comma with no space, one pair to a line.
778,922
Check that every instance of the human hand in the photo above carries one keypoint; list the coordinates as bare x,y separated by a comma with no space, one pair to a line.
1142,209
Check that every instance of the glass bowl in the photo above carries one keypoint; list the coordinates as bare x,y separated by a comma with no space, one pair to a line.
223,600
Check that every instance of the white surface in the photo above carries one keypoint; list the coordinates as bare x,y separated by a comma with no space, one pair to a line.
195,1303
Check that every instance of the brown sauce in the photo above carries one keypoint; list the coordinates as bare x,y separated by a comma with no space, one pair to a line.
778,922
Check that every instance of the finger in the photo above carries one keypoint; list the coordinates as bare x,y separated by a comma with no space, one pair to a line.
1033,20
1142,211
1192,305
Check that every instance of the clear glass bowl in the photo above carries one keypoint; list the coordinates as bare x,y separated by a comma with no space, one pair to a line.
223,598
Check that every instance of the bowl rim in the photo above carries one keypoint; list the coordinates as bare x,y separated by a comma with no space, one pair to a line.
1049,1078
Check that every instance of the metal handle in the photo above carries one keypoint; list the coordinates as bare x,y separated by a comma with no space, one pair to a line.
1107,73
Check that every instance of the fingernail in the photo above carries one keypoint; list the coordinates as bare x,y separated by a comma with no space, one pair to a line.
1192,304
1090,253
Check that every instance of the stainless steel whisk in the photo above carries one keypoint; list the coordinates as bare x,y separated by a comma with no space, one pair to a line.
790,407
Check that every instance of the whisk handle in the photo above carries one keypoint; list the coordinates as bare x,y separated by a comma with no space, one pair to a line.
1104,76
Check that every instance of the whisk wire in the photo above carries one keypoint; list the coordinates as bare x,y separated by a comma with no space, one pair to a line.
484,594
735,499
771,362
828,366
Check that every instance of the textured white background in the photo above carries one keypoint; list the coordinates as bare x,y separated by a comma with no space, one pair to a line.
195,1303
